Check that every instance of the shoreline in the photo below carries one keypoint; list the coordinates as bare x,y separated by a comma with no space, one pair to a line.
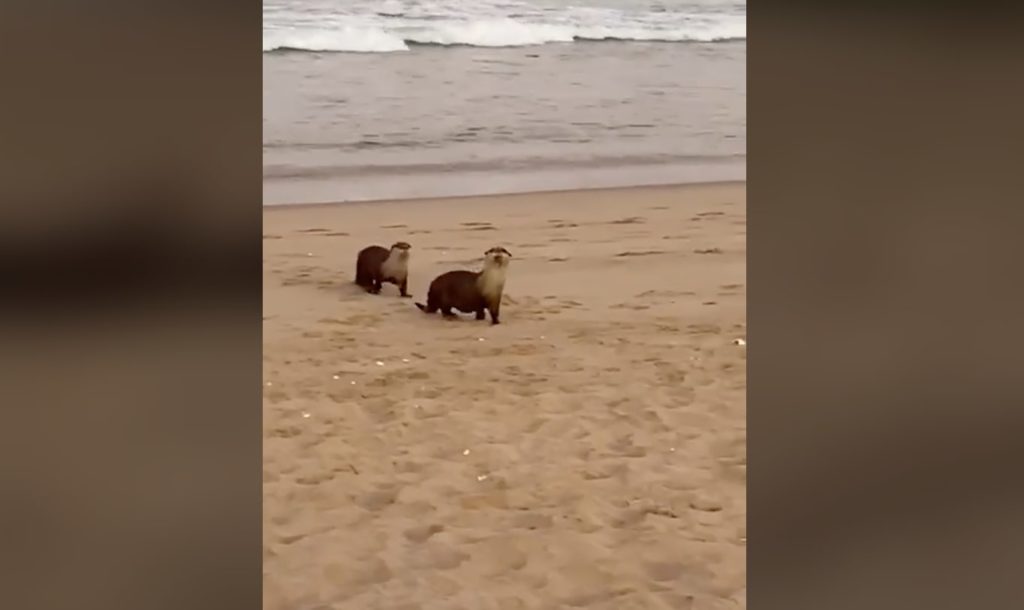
454,183
302,205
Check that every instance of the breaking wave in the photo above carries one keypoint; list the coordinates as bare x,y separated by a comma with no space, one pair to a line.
399,33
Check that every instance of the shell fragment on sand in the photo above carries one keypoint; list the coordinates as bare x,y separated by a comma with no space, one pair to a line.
740,342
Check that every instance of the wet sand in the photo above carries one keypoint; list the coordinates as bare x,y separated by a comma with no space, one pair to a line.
588,452
449,121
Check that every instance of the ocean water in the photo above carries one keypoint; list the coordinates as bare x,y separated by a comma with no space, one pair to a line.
416,98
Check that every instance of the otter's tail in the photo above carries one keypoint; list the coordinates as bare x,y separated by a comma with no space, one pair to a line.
430,307
432,301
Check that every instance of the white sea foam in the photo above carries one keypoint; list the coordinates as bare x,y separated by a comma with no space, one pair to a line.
318,25
340,38
490,33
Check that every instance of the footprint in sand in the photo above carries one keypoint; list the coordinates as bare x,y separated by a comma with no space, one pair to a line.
352,576
496,556
661,571
532,521
629,253
362,320
439,556
630,220
421,533
634,306
667,375
727,290
703,329
664,293
313,230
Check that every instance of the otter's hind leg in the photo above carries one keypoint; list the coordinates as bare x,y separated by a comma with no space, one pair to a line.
361,279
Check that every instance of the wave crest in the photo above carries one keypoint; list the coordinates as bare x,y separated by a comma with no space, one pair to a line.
343,39
491,33
366,38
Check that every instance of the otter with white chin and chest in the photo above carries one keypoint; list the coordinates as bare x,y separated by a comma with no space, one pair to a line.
470,291
376,265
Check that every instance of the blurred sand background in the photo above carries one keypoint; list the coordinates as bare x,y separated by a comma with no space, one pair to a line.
589,452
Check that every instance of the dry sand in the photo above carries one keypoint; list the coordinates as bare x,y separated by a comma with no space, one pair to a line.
589,452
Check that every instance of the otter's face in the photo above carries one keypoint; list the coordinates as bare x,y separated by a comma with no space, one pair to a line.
401,250
497,256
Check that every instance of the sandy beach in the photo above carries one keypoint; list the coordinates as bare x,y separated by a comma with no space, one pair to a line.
588,452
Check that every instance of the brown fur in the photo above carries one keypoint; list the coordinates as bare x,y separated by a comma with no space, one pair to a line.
474,292
376,265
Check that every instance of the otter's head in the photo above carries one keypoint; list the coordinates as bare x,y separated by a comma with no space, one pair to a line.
400,250
497,257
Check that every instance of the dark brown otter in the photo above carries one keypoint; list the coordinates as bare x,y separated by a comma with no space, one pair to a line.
470,291
376,265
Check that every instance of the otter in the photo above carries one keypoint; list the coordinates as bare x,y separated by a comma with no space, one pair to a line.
470,291
376,265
